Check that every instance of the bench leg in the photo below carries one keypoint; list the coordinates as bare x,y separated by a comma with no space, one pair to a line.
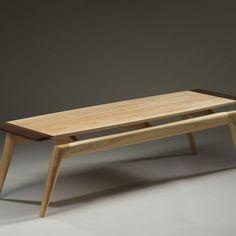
191,140
192,143
53,169
190,136
232,125
51,179
8,150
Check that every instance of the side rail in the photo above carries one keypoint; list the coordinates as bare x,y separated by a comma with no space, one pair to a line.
148,134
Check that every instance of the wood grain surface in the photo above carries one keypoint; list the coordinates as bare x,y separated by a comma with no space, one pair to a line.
117,114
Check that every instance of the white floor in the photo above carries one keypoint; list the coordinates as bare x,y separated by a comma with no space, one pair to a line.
148,189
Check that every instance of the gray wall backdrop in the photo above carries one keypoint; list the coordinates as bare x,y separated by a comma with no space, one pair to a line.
57,55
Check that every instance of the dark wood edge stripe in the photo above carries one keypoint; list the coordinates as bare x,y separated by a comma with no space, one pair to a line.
216,94
24,132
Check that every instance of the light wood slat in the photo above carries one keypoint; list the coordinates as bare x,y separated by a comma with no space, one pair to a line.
144,135
117,114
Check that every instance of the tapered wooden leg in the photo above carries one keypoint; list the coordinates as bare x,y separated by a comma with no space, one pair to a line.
190,136
232,125
8,150
51,179
192,143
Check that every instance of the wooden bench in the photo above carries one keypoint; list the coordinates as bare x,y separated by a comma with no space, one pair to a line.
195,108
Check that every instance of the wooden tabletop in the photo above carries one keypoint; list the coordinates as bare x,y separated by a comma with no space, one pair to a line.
100,117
